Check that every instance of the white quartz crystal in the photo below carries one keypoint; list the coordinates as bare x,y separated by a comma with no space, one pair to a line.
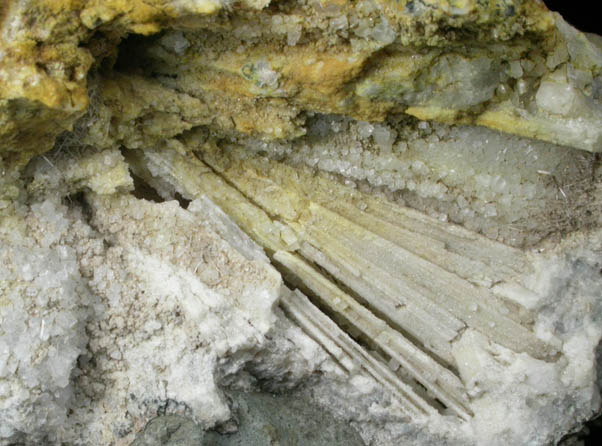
44,306
141,310
514,189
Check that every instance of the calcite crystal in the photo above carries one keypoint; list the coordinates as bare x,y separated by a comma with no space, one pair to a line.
390,210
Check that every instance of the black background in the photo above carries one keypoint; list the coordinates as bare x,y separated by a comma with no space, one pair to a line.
582,14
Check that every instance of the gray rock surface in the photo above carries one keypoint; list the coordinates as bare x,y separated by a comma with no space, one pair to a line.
261,419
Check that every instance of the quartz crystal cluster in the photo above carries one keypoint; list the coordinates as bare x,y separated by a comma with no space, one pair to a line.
387,212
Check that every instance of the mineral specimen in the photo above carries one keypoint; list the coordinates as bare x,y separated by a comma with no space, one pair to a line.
387,210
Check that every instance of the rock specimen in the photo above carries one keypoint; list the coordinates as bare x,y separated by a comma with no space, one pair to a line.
392,207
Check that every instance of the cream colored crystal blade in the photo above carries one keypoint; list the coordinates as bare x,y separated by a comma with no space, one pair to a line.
407,292
193,179
441,382
450,246
423,324
349,354
475,306
432,326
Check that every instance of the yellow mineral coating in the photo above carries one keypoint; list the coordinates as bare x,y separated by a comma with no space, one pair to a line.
332,58
564,131
504,16
445,115
308,79
321,73
314,79
143,16
43,67
42,81
259,89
